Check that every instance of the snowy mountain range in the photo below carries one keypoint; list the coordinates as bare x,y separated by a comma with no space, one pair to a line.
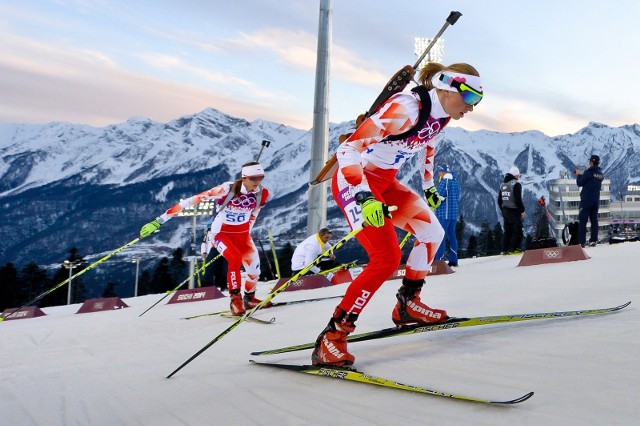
69,185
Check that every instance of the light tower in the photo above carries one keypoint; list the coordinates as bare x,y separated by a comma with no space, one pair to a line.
206,208
70,265
317,217
436,54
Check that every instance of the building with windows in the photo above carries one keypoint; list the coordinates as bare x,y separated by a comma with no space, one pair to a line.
564,205
625,214
627,207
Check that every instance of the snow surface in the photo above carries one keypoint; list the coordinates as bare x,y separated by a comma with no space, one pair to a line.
109,368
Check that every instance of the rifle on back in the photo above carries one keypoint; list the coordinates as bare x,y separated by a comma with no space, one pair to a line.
396,84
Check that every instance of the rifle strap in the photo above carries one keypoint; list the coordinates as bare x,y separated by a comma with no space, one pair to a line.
425,110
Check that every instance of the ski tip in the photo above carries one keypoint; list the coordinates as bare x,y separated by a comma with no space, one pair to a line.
515,401
619,307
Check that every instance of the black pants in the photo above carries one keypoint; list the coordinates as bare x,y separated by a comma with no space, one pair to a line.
588,212
512,230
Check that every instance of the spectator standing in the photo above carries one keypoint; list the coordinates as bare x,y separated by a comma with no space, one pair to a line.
513,212
590,181
447,213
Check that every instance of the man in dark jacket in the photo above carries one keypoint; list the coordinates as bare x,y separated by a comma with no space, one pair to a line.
591,181
512,207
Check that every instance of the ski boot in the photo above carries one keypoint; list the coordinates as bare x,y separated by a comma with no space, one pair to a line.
237,305
250,301
331,345
410,310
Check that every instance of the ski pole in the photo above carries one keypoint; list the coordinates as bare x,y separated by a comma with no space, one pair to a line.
82,271
273,251
264,253
197,272
405,239
181,284
266,300
344,266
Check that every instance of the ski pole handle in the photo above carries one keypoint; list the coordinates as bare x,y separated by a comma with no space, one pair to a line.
265,143
451,19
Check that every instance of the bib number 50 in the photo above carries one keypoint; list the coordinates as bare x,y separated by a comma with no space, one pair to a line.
232,217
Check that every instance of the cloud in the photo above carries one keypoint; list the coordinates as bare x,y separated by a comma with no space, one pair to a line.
298,49
42,82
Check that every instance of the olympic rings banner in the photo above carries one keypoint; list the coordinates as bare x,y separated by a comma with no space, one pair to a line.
553,255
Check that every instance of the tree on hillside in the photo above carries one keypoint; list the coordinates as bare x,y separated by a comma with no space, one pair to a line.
498,236
9,289
144,285
267,268
162,278
110,290
178,266
460,226
472,246
33,281
58,296
485,238
78,289
284,258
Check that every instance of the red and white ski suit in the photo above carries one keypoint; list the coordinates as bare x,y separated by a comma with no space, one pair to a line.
230,231
367,162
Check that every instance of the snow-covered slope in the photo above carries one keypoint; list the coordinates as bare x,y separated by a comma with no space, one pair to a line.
109,368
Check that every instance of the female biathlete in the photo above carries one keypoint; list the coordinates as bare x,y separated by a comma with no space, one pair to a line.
238,204
365,184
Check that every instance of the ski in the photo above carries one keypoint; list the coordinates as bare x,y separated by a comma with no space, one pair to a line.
293,302
342,267
361,377
451,323
250,319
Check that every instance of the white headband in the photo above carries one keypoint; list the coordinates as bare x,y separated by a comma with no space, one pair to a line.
255,170
470,80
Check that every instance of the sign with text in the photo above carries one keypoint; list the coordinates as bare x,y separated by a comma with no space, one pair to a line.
196,294
28,312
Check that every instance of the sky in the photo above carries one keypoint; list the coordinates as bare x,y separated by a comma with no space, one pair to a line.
546,65
109,368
